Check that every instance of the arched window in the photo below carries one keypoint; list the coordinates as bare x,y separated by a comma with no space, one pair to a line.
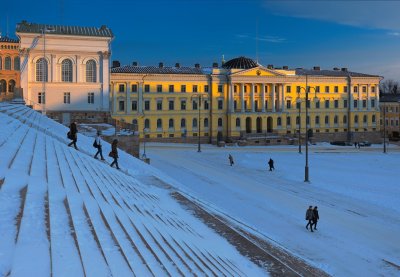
194,123
344,119
91,71
1,63
317,119
238,122
7,63
279,121
183,123
147,123
373,119
11,86
66,70
41,70
170,123
159,123
16,63
365,119
3,86
356,119
205,122
219,122
288,123
327,119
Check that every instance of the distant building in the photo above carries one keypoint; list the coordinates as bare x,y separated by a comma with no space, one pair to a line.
9,67
65,70
390,112
245,100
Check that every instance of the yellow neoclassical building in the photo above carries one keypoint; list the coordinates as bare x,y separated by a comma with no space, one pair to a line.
244,100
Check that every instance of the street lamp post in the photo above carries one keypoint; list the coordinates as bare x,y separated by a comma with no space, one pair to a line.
144,144
45,69
299,103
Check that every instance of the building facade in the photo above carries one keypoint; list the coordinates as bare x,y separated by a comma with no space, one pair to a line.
245,100
390,115
65,70
9,67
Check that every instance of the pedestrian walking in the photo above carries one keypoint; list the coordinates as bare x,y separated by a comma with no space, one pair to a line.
355,145
310,217
97,144
315,217
271,164
73,134
231,160
114,153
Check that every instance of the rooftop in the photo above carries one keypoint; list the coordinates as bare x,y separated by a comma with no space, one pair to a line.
331,73
240,63
157,70
8,39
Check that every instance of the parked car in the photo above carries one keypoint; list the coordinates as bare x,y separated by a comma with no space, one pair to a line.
340,143
364,143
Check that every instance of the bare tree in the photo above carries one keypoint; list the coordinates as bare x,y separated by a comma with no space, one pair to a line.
389,87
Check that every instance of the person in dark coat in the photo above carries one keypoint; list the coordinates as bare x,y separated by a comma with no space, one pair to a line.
271,164
73,133
310,217
114,153
315,217
231,160
99,146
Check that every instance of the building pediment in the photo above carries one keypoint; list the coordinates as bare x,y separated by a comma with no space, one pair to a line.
257,71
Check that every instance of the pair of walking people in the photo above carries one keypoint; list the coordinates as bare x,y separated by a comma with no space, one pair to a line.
114,150
312,216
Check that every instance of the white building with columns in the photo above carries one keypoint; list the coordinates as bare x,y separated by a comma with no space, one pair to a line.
65,70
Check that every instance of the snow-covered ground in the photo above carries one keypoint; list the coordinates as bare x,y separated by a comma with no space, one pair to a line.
357,192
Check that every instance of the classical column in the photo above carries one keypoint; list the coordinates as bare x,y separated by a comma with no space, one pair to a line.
140,98
128,99
52,69
263,97
104,78
77,68
369,97
252,98
231,107
242,97
273,97
282,98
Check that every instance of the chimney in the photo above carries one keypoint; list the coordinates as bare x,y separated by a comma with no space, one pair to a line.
197,65
336,68
215,65
285,67
161,65
270,66
116,64
344,69
134,64
177,65
317,68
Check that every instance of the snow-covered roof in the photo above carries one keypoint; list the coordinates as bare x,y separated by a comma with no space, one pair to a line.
65,213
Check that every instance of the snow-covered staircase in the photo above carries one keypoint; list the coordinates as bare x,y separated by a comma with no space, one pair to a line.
64,213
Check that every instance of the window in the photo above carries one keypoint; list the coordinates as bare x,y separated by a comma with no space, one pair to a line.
336,89
11,85
146,88
245,104
183,123
297,120
220,104
91,71
327,120
308,120
308,103
134,105
170,123
67,98
317,89
206,105
66,70
147,105
344,119
256,89
194,123
327,104
183,88
235,104
206,88
345,103
336,104
256,105
364,103
238,122
266,104
16,63
266,88
373,89
373,103
147,123
205,122
327,89
364,89
355,88
194,88
159,123
159,105
90,98
41,70
171,105
288,123
121,88
335,120
355,103
279,121
317,104
7,63
159,88
194,105
219,122
41,98
288,104
298,89
171,88
298,105
183,105
345,89
373,118
220,88
317,120
288,89
121,105
356,119
245,88
235,88
365,119
134,88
